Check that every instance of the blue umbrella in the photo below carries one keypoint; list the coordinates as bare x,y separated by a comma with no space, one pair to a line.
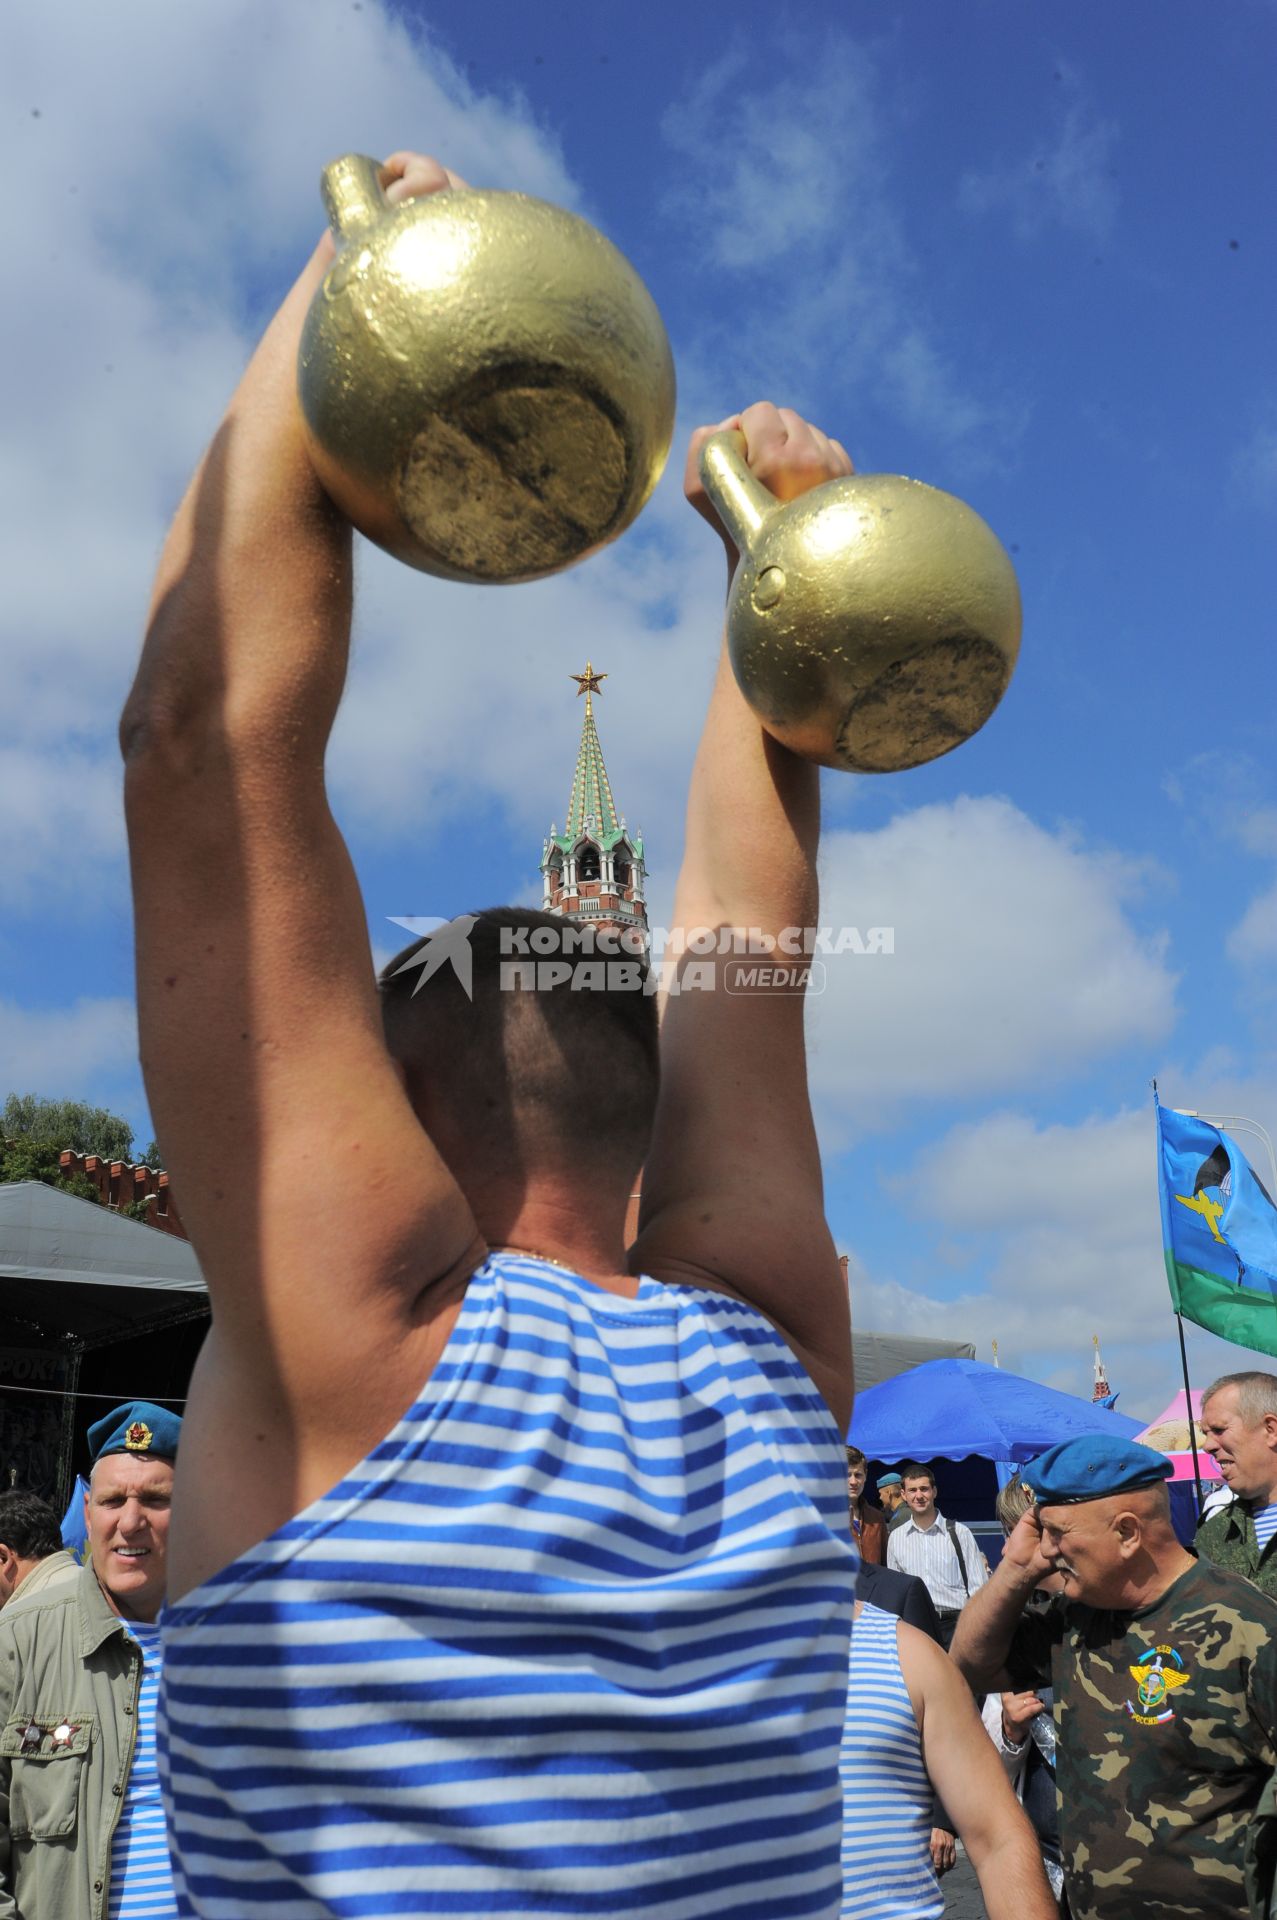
951,1409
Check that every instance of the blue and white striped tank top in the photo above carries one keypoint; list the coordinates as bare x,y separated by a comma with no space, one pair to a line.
141,1876
886,1835
571,1641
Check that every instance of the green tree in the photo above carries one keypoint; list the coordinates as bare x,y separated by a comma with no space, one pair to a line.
28,1159
66,1123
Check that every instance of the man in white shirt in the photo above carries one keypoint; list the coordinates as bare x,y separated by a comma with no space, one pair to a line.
942,1553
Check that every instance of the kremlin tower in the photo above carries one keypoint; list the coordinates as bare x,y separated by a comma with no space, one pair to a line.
593,871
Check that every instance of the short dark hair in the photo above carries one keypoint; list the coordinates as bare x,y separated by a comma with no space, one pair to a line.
916,1470
28,1525
855,1458
568,1069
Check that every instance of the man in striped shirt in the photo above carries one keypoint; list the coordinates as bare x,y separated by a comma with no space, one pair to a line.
942,1553
82,1828
531,1590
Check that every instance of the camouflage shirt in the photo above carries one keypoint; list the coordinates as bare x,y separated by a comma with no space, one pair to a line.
1228,1538
1165,1723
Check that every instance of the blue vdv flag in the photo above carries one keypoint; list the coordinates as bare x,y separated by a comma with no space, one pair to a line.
75,1531
1219,1231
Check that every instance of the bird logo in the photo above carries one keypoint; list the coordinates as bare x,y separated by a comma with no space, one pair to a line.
1157,1674
445,945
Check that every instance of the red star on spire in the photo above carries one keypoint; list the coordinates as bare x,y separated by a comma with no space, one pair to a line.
589,681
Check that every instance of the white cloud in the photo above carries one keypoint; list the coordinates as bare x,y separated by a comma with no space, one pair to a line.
1063,1226
1009,1172
1252,943
1255,464
170,189
1225,796
1015,959
161,178
1065,180
788,184
461,697
800,146
67,1050
1227,792
64,827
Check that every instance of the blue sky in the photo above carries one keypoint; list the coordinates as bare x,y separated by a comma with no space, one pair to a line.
1024,254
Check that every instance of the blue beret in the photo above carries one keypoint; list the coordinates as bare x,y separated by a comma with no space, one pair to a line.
140,1427
890,1480
1091,1468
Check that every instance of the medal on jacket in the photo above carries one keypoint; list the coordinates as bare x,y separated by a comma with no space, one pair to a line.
32,1735
64,1735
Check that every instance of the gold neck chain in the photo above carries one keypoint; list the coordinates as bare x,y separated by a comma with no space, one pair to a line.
530,1253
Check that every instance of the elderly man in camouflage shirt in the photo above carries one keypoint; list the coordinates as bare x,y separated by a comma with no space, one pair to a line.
1165,1679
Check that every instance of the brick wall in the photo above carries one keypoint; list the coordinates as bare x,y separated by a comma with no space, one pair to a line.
119,1184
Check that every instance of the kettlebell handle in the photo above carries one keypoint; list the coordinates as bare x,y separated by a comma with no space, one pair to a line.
742,501
354,198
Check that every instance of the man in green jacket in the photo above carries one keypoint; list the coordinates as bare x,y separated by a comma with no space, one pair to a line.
1239,1414
79,1669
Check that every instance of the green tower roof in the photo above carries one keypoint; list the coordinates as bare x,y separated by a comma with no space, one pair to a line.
591,799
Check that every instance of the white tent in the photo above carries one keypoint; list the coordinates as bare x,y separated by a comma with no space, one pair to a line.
75,1276
75,1267
881,1356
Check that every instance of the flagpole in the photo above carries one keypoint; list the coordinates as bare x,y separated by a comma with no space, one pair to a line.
1192,1424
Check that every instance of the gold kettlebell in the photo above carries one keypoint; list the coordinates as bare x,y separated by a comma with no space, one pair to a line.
486,385
873,623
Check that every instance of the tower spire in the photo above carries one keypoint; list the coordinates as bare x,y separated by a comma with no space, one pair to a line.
591,797
594,870
1101,1389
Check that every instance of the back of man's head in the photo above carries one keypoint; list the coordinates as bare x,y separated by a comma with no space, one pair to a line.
537,1065
1013,1501
29,1533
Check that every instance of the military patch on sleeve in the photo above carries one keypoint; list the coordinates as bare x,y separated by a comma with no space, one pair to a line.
1157,1674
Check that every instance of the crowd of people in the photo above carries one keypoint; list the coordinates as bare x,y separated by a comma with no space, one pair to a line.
1101,1736
1129,1683
502,1565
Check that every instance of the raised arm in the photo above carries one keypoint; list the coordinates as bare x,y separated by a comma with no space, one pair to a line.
325,1223
987,1624
732,1191
966,1774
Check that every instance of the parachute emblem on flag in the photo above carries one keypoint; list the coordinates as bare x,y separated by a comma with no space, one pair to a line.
1219,1231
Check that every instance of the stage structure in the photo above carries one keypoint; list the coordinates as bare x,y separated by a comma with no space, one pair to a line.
77,1280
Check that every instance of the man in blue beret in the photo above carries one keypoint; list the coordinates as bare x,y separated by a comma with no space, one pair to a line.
1164,1672
82,1833
891,1498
